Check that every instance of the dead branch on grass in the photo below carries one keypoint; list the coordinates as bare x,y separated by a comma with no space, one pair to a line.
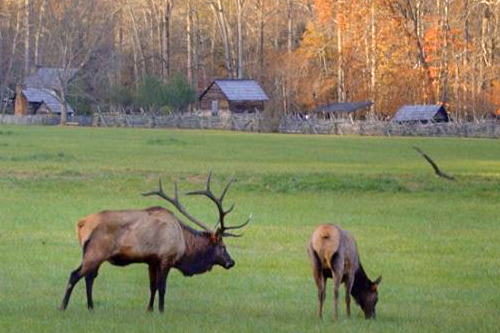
434,165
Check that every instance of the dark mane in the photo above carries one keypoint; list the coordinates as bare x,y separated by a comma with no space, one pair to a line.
199,254
361,284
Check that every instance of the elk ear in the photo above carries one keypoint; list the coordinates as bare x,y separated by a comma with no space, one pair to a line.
378,280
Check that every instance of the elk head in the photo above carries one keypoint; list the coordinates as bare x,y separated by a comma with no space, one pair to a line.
369,299
215,236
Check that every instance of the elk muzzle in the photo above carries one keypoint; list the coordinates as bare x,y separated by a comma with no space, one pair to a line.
229,263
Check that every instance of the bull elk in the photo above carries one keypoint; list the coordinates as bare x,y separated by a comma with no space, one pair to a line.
154,236
334,254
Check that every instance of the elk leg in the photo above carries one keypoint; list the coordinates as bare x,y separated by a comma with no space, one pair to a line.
321,296
74,277
153,284
348,289
337,273
321,284
348,303
319,278
89,282
336,285
162,287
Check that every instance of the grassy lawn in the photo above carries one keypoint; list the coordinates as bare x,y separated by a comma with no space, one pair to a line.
435,242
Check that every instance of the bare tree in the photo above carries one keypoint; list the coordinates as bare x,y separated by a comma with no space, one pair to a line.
78,29
10,61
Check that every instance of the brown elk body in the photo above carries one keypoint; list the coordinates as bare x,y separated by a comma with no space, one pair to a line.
154,236
334,254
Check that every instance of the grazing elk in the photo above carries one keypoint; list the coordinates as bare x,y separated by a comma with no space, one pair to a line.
154,236
334,254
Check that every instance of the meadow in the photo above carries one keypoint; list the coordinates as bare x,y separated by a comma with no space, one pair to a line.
435,242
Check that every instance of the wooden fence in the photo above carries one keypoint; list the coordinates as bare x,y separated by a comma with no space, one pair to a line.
246,122
258,123
481,129
44,120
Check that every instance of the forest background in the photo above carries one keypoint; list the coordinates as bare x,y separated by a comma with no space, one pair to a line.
305,53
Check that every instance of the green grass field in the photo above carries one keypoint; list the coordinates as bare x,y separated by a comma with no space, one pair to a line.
435,242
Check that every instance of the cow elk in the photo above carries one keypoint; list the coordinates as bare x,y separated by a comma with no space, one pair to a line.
334,254
154,236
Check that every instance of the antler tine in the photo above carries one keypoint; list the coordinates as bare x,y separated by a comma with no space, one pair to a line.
177,204
209,194
218,201
241,225
226,188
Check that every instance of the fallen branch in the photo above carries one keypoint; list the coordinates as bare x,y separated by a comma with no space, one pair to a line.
434,165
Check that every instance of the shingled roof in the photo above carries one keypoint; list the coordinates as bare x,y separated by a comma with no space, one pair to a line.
48,77
47,96
421,113
236,90
346,107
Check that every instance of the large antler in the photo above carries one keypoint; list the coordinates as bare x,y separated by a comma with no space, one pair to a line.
218,202
175,201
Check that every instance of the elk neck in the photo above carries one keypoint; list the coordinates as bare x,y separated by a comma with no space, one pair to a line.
361,285
199,256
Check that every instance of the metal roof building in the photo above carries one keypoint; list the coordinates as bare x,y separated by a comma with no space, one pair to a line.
47,96
421,113
239,90
234,95
38,95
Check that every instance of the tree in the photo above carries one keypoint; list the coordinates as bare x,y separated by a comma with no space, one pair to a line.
78,31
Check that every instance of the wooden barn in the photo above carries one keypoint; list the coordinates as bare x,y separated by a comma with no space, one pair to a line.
421,114
31,101
226,96
38,93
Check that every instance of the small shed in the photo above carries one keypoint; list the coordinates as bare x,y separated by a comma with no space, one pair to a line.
421,114
30,101
232,96
352,110
38,94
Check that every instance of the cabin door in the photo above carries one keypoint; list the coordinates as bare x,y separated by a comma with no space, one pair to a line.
215,108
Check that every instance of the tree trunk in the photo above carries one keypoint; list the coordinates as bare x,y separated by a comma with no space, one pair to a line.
445,63
240,38
64,110
261,41
8,71
373,57
37,52
167,13
149,18
197,48
27,9
341,95
135,61
289,26
120,50
189,43
223,28
138,47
